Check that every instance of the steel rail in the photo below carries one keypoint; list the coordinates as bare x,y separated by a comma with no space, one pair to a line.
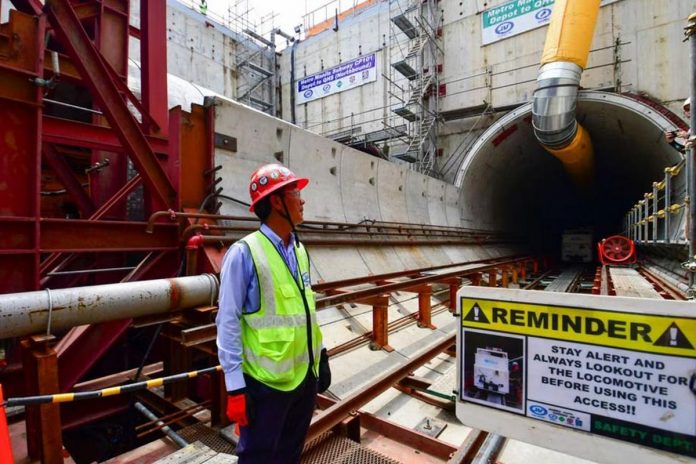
377,224
333,415
393,326
391,275
534,283
662,284
225,239
175,437
393,286
195,228
153,426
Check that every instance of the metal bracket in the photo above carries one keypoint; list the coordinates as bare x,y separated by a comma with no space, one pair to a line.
225,142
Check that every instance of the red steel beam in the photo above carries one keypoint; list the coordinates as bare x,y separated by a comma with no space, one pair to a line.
79,134
415,440
76,359
88,61
32,7
74,235
153,29
67,177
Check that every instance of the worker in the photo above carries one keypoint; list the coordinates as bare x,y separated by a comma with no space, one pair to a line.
203,7
269,342
671,136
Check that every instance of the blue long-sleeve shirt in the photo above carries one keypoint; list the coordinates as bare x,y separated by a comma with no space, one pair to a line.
239,294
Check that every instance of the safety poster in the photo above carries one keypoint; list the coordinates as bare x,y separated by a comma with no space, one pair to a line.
627,376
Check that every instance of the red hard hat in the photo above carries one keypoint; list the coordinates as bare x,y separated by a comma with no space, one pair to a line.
269,178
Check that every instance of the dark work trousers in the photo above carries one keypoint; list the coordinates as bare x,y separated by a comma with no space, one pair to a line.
278,423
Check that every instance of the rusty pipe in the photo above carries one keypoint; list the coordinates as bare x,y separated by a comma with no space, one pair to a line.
28,313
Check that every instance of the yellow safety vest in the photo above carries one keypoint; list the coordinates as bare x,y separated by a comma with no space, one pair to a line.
275,339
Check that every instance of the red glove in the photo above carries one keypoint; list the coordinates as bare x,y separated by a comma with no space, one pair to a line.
237,409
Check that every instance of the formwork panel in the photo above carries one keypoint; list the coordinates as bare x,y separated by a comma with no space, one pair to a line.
435,195
260,139
416,198
381,259
391,191
333,263
319,159
452,210
359,187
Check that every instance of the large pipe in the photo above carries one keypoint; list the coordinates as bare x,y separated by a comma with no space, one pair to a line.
691,155
54,310
553,111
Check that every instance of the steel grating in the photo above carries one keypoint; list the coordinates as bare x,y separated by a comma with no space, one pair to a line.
207,436
336,449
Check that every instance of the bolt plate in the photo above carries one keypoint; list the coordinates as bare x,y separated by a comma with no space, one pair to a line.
431,427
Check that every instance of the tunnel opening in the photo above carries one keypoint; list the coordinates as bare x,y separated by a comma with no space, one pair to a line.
510,184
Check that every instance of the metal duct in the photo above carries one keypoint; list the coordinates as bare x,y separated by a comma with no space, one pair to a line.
553,110
55,310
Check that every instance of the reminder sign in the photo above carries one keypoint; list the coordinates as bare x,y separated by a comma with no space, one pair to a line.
612,370
345,76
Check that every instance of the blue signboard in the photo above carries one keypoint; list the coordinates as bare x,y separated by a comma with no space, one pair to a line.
345,76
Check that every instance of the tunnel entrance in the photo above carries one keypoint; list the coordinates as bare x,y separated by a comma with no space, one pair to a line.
509,183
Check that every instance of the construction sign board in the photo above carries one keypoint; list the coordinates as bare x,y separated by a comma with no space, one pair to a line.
622,368
346,76
512,18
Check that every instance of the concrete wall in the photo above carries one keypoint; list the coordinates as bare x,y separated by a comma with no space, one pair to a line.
650,58
204,51
345,186
364,33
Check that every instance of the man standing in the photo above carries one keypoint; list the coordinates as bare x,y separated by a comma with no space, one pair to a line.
268,339
671,136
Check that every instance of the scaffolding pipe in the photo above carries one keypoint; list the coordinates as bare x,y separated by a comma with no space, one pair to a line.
690,154
32,312
175,437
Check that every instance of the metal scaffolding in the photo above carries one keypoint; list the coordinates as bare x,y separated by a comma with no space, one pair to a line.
416,60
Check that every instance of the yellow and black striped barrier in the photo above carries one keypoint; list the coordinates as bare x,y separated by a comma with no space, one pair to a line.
129,388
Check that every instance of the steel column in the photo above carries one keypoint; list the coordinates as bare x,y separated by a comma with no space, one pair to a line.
654,211
691,169
153,44
380,322
20,144
646,215
425,307
668,203
87,59
454,285
44,440
492,277
476,279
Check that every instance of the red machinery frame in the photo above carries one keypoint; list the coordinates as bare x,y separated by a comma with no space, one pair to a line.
65,179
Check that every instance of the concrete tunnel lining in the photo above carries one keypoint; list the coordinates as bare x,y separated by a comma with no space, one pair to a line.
509,183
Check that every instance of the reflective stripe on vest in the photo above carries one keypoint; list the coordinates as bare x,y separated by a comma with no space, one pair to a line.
274,339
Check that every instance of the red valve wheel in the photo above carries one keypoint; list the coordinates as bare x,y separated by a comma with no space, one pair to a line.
617,249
